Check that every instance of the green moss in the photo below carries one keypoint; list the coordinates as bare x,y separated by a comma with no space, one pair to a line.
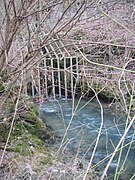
34,125
9,107
18,131
31,117
29,145
105,93
29,133
22,147
26,143
46,160
34,109
38,143
2,88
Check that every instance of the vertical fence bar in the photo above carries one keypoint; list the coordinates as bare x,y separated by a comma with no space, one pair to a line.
45,75
65,78
71,69
58,65
53,85
77,74
83,79
39,84
77,69
58,68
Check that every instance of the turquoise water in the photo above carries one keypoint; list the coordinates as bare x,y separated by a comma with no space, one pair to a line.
83,131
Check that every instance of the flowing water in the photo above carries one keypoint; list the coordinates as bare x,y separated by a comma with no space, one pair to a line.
83,131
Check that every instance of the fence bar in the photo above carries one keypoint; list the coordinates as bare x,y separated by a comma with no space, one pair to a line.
77,69
39,85
53,85
83,78
71,69
45,75
65,75
58,63
57,57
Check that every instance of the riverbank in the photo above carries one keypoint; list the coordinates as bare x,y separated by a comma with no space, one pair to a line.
16,166
33,149
23,142
30,152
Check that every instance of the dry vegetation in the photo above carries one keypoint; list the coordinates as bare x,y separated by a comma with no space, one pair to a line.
100,33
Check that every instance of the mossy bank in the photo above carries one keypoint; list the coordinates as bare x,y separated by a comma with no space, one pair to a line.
29,134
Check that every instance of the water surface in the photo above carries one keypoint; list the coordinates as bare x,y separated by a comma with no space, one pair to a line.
83,131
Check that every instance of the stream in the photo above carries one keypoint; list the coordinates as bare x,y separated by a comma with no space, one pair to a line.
83,131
